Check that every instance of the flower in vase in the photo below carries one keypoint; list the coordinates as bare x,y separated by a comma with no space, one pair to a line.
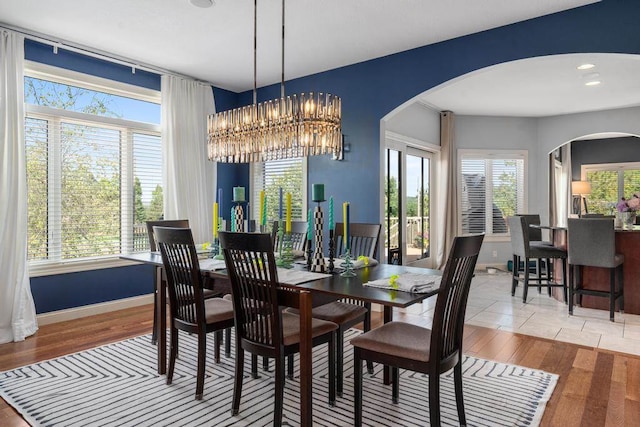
629,205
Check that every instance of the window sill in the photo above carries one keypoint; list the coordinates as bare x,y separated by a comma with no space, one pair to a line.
38,270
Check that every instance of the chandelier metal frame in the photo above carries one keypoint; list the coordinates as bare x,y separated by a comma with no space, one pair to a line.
293,126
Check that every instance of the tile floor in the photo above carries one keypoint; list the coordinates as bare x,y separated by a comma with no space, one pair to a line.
491,305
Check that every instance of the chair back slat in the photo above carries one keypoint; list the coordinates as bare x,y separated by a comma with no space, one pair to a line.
254,285
173,223
184,279
448,319
298,235
363,239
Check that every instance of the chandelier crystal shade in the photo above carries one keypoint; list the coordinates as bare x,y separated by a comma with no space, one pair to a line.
296,126
292,126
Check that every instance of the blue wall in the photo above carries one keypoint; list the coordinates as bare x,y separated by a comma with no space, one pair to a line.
610,150
371,89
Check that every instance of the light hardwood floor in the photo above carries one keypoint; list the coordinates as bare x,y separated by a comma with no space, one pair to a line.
596,387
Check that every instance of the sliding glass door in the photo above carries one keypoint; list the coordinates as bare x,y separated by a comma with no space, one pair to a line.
408,198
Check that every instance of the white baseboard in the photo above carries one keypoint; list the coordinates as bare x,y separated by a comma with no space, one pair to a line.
90,310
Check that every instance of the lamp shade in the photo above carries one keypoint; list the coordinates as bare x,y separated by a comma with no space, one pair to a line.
581,187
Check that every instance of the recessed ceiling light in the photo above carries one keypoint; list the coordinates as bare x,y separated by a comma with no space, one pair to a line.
592,83
585,66
201,3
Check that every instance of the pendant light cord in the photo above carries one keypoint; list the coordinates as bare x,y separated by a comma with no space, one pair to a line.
282,79
255,49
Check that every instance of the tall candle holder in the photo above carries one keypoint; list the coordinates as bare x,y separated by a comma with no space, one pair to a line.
239,218
331,250
347,265
317,264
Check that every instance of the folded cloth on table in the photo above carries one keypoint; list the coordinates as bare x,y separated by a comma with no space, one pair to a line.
361,262
296,277
211,264
408,282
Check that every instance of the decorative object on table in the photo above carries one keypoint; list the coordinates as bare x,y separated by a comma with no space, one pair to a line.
238,213
285,260
317,264
332,227
253,133
263,212
627,211
579,190
309,239
347,264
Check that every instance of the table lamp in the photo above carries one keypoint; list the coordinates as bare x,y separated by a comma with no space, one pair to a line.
580,189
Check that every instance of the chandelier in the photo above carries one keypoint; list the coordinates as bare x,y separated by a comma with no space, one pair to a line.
293,126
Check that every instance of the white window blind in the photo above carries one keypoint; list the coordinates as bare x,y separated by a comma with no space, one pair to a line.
93,177
492,187
290,175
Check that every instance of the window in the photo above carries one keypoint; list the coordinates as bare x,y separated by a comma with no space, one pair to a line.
291,176
491,188
609,183
94,167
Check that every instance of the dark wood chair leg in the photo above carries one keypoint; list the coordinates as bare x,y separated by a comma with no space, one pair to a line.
457,379
202,356
340,360
217,339
290,366
237,384
395,384
572,269
357,389
525,288
154,331
279,396
227,342
173,353
367,328
612,293
621,287
265,364
254,366
434,399
514,275
332,367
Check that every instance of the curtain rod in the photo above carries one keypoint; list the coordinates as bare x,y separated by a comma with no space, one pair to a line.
94,53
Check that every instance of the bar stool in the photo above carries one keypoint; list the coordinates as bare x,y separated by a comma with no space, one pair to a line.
592,242
526,250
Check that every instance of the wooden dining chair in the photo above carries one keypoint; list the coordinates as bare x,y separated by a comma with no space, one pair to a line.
429,351
348,312
177,223
298,235
262,328
189,310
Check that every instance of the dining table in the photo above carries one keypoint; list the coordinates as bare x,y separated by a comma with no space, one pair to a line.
303,295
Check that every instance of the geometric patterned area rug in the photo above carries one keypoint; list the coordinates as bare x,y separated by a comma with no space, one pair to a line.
117,385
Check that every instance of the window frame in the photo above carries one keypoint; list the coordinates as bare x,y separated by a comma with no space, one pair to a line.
485,155
619,167
89,82
254,192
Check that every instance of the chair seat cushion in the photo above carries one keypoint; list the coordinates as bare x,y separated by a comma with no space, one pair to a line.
217,310
339,312
542,250
291,328
397,339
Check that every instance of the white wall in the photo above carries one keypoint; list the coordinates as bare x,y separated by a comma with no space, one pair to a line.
502,133
416,121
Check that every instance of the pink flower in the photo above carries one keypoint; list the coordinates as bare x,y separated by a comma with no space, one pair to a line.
634,203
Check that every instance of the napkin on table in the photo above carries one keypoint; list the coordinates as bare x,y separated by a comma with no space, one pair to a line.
408,282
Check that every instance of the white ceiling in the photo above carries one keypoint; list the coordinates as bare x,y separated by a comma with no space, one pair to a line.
216,45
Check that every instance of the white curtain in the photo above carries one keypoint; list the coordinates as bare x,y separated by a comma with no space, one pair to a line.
190,178
17,311
447,189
